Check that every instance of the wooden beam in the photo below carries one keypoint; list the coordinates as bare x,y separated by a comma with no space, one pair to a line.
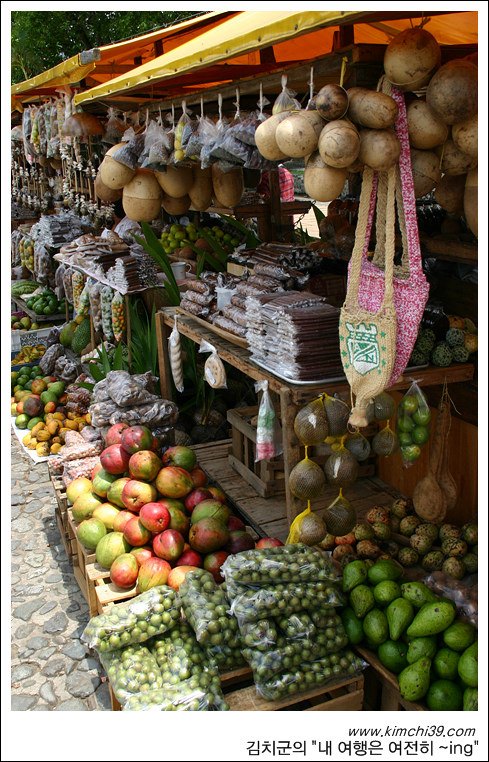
158,48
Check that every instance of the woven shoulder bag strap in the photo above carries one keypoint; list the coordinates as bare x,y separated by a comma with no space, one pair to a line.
362,235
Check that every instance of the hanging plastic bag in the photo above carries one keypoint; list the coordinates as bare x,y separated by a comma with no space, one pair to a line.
114,127
179,153
413,424
175,355
106,308
118,316
285,101
95,295
269,431
78,283
214,370
84,298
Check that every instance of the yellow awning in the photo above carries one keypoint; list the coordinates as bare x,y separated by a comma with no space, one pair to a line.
101,64
291,37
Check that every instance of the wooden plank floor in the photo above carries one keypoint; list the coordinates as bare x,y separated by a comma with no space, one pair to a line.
270,513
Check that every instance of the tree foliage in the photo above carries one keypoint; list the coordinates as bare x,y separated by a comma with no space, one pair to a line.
42,39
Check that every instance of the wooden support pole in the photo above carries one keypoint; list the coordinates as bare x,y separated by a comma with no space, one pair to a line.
128,329
162,335
291,450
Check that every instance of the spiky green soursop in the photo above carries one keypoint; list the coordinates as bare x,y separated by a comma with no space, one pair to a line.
424,345
433,561
363,532
418,357
454,567
455,337
81,337
460,354
470,533
401,507
471,563
441,354
421,543
408,557
408,525
428,333
381,531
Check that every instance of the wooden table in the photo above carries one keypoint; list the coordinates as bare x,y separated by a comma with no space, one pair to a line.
292,396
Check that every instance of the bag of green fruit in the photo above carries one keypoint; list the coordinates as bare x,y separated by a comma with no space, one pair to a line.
413,424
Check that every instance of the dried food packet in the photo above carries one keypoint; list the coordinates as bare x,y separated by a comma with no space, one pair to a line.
214,371
285,101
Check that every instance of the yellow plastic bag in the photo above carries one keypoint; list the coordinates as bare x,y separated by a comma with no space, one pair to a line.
295,527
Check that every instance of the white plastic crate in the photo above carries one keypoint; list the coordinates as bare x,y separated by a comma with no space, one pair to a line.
21,339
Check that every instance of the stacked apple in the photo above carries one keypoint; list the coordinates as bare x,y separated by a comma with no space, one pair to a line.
151,517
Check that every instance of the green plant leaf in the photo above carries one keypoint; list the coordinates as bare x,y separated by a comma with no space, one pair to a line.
152,245
252,241
86,385
96,372
319,215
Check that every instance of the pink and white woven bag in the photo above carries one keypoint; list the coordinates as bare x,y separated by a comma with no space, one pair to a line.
410,286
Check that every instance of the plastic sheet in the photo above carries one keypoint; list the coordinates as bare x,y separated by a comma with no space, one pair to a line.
268,431
261,635
158,610
65,370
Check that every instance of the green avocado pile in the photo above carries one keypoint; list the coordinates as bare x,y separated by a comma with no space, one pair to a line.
416,635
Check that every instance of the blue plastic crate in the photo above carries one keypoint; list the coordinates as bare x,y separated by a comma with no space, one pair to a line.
22,365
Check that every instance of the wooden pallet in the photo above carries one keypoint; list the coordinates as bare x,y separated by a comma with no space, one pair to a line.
382,688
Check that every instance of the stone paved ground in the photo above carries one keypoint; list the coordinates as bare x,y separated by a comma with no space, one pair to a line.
51,669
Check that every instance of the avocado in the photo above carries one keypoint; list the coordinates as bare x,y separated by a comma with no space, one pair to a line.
392,654
399,615
468,666
459,636
431,619
421,647
353,626
375,626
387,591
444,695
361,600
417,593
445,664
414,680
470,700
384,569
354,573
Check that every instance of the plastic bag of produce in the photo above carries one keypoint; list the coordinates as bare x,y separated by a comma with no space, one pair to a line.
285,101
464,593
129,153
118,316
308,675
126,390
179,153
268,431
48,360
285,563
95,295
114,127
78,284
413,424
261,635
182,697
249,605
151,613
175,355
208,135
76,468
132,670
286,655
84,298
206,609
156,148
298,625
106,308
226,656
214,370
180,658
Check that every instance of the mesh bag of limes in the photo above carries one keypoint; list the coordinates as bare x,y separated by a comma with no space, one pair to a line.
284,599
152,658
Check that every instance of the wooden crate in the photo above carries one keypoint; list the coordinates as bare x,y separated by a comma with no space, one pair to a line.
93,573
81,556
61,515
267,477
107,594
382,688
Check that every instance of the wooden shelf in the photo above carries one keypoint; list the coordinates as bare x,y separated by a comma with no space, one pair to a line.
37,318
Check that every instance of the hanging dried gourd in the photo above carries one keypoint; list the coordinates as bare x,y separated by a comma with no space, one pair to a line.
307,479
341,468
384,406
358,445
340,516
337,413
386,442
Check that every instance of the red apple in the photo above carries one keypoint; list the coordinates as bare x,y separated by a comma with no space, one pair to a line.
136,533
155,516
195,497
190,558
114,434
268,542
217,494
135,494
198,476
168,545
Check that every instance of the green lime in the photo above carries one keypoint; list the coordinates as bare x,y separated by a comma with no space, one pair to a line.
392,654
409,404
420,434
422,416
443,696
411,453
445,663
405,438
405,423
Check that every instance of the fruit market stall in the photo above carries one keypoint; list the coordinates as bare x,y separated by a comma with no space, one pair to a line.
332,535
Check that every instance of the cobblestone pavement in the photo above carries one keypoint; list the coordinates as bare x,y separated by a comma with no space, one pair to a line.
51,669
